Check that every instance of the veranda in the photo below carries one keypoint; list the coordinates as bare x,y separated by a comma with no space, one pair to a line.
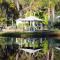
29,24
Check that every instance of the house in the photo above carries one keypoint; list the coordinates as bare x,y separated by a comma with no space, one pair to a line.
30,23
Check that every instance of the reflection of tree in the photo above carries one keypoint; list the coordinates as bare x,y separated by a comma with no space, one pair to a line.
2,41
31,43
45,46
56,54
57,25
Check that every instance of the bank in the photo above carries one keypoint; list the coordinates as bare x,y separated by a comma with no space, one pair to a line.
44,33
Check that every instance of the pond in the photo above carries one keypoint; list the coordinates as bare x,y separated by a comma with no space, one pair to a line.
10,48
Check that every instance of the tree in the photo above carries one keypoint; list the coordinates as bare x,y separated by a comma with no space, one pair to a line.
1,1
51,7
45,46
29,5
23,8
2,18
45,19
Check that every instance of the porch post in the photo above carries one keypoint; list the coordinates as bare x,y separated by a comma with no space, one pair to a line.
41,26
30,25
33,25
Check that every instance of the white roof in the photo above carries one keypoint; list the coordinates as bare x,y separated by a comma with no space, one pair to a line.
30,50
30,18
19,20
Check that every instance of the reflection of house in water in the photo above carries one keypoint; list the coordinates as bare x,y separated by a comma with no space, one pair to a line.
29,42
29,24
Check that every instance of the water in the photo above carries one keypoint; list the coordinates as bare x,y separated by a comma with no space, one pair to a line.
10,48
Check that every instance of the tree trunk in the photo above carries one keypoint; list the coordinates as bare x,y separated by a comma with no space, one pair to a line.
52,57
48,55
53,14
17,56
17,4
49,14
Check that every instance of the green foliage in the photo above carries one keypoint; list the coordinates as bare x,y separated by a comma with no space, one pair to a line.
2,41
2,21
2,18
53,3
57,11
35,44
29,8
45,19
25,2
39,14
45,46
1,1
12,5
8,1
28,13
